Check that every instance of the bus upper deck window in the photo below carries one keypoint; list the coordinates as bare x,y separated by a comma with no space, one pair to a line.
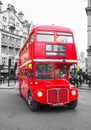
44,36
48,47
64,37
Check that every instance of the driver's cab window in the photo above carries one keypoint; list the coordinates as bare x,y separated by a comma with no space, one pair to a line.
60,72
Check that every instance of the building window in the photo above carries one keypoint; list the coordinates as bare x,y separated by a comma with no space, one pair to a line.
16,51
11,41
4,27
11,20
4,38
11,30
4,19
4,60
18,43
4,50
17,32
17,24
11,51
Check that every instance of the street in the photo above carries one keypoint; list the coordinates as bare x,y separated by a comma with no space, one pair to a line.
15,114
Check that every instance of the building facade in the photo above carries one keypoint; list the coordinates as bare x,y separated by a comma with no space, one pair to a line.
13,31
88,12
82,62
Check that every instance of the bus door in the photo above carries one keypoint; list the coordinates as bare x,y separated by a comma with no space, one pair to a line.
24,82
27,79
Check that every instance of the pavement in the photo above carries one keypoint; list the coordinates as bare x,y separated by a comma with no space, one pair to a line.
85,87
13,85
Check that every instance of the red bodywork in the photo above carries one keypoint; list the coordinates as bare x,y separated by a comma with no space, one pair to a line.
55,91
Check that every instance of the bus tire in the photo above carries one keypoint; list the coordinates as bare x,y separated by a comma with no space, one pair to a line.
33,105
73,104
20,91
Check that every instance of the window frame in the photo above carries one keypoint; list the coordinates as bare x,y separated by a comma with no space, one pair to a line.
65,34
54,52
45,33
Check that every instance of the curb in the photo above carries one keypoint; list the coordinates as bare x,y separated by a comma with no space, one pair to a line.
5,86
85,88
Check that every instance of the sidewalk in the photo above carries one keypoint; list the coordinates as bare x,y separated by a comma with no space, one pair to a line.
85,87
12,85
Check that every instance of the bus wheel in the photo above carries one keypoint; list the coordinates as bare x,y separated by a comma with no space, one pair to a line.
72,105
33,105
20,91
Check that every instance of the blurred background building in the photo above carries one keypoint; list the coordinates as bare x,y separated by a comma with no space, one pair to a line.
88,11
82,62
13,31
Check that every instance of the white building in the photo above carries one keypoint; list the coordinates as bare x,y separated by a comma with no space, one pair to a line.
82,61
88,11
13,31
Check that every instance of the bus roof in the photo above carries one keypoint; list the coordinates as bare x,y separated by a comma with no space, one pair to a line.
52,28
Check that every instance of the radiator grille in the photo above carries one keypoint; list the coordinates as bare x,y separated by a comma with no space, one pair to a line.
57,95
63,95
52,96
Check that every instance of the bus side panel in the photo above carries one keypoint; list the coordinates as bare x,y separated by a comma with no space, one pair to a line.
71,52
40,52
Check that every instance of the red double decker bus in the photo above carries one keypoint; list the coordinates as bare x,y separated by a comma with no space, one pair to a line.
44,67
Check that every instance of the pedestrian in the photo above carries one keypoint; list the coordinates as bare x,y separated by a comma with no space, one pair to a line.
72,79
83,75
77,80
89,81
80,80
86,77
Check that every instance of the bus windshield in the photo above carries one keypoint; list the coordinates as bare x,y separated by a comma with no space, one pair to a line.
47,71
44,71
60,72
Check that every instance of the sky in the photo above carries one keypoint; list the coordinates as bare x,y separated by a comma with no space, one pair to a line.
67,13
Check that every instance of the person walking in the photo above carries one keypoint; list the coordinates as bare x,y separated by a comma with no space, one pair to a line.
80,80
89,81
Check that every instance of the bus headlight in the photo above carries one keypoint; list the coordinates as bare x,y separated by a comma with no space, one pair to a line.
73,92
39,94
